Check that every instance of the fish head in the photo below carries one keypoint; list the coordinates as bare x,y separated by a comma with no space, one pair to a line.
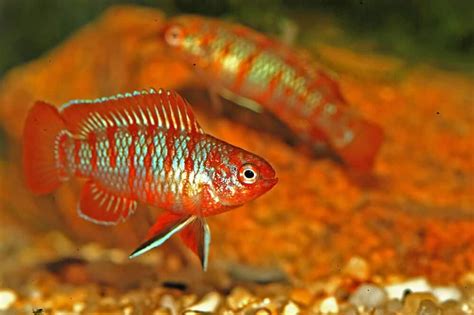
186,35
242,178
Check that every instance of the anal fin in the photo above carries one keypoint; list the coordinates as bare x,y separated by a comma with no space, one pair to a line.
166,226
197,237
102,207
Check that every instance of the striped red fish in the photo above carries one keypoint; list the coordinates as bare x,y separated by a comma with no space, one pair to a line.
247,67
141,147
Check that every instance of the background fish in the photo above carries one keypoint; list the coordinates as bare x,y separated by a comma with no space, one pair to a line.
245,66
141,147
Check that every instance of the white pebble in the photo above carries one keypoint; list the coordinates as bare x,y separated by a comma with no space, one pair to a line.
396,291
447,293
7,298
329,306
368,296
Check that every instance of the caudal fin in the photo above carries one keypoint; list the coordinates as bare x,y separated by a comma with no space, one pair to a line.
43,125
359,153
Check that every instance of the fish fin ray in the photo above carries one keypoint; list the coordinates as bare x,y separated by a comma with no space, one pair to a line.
241,101
41,133
166,226
162,109
197,237
102,207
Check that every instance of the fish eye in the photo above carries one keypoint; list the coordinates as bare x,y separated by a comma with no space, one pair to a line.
173,35
248,174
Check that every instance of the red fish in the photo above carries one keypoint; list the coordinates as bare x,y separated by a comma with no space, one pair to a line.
142,147
247,67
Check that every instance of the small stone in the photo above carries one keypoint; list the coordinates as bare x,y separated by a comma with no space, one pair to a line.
428,307
397,291
447,293
357,268
167,301
291,309
7,298
451,307
208,304
349,310
239,298
301,296
329,306
263,311
413,300
394,306
368,296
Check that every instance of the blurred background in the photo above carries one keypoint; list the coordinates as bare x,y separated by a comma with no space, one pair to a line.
435,31
320,242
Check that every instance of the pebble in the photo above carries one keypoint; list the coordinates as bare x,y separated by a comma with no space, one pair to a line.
368,296
301,296
447,293
397,291
413,300
451,307
291,309
7,298
357,268
349,310
329,306
239,298
208,304
428,307
394,306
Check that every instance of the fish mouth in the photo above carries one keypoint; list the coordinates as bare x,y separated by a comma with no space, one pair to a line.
270,182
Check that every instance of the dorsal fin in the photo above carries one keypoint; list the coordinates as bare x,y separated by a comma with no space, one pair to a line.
160,109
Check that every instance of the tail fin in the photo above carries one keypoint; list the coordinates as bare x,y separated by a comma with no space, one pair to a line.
42,128
359,154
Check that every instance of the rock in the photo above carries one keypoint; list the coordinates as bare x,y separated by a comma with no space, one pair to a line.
291,309
368,296
428,307
7,298
329,306
394,306
357,268
451,307
301,296
413,300
397,291
239,298
208,304
447,293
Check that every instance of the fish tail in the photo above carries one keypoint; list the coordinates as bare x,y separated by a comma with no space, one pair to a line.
360,151
41,135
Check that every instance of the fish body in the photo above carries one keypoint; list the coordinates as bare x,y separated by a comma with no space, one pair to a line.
142,147
246,66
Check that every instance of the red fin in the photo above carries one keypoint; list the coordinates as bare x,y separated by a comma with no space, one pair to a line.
102,207
41,133
162,109
197,237
166,226
359,154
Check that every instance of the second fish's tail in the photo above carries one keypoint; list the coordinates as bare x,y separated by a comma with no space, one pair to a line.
43,132
355,139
